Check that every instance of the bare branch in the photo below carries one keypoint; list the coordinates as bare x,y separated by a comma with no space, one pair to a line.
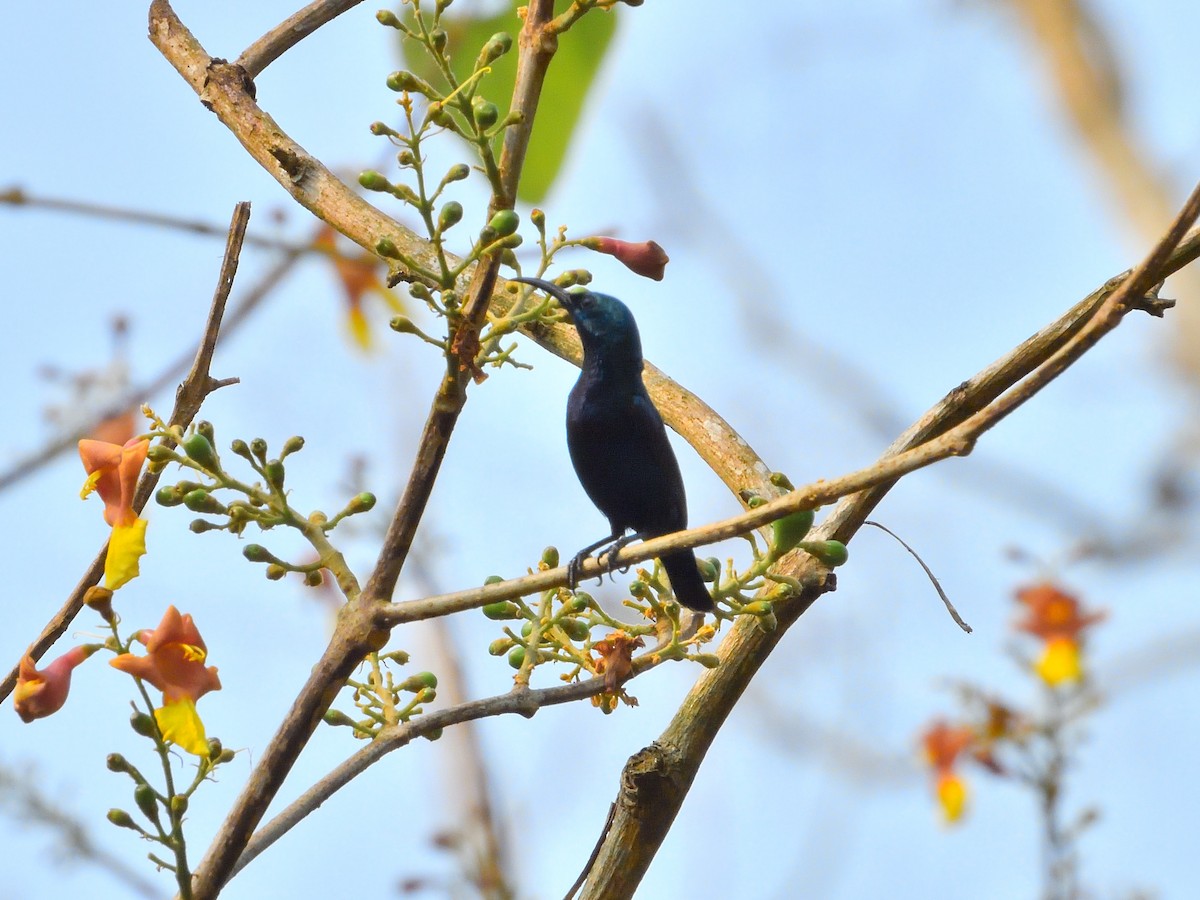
290,32
522,702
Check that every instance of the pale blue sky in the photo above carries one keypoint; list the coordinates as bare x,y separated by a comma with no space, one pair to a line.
892,177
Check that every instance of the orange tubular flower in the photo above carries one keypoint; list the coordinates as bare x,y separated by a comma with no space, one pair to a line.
113,473
41,692
1060,621
174,663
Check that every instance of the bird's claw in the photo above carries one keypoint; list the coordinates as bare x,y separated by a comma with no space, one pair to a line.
573,568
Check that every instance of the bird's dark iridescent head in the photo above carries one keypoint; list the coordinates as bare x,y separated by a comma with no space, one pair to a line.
606,326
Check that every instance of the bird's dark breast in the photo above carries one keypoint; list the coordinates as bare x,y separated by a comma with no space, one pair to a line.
620,452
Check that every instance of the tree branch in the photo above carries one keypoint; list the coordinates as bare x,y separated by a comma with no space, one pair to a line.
290,32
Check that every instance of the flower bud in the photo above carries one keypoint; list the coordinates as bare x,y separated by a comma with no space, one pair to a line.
647,258
789,531
486,112
143,725
292,445
122,819
259,448
757,608
202,501
550,557
337,717
516,657
374,181
388,18
404,81
766,624
457,172
829,553
708,660
159,453
179,805
147,801
504,222
116,763
504,609
379,129
275,473
257,553
576,629
710,568
403,325
450,215
275,572
387,249
240,448
438,37
168,496
498,44
99,598
200,450
199,526
500,646
316,578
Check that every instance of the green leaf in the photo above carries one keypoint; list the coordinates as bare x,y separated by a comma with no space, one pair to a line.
572,71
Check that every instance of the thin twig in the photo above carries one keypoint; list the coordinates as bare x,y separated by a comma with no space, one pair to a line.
937,585
196,386
290,32
17,196
522,702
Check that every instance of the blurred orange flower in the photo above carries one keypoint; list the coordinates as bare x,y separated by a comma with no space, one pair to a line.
942,744
358,275
1060,621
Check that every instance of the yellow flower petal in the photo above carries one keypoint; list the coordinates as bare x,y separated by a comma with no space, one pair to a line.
360,328
180,724
126,546
1060,662
952,797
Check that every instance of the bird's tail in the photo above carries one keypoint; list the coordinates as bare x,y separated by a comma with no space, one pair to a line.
686,581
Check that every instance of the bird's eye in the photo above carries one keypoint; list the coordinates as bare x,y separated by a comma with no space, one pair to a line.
587,301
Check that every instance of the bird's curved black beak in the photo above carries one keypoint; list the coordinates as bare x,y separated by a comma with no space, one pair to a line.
559,294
